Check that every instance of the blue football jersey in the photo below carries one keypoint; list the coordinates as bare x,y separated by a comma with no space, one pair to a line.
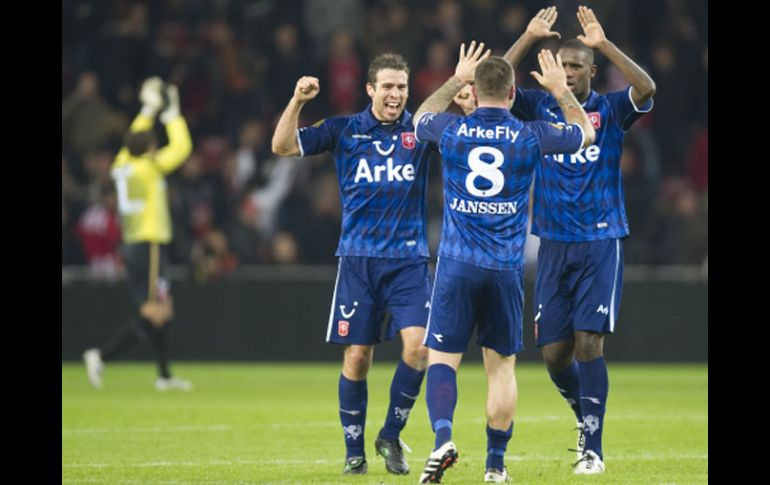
488,160
382,175
579,197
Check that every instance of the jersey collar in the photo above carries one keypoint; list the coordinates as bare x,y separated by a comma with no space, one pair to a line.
589,104
489,112
368,121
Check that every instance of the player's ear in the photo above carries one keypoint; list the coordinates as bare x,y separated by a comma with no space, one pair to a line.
512,93
370,89
593,70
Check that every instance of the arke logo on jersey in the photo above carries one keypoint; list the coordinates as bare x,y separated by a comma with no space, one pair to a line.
393,173
588,154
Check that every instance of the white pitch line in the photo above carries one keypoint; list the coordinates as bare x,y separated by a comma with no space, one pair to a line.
331,424
560,457
155,429
156,482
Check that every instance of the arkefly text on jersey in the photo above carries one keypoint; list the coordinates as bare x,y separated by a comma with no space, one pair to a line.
495,133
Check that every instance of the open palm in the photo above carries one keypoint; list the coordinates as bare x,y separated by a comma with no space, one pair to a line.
540,25
594,33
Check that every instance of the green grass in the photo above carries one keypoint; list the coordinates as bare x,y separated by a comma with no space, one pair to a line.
278,423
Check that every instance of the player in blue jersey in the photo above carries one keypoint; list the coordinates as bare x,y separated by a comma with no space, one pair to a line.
488,159
383,249
581,220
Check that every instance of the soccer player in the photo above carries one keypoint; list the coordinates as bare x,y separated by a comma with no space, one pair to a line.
383,251
489,158
581,220
138,171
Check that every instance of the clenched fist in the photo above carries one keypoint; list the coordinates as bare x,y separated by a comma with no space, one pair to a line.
307,88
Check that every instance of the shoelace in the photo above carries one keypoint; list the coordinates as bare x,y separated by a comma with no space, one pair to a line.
586,457
575,450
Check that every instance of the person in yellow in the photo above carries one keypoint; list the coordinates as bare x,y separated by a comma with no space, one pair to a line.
139,173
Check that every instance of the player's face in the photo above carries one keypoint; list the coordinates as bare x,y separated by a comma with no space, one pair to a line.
579,72
389,94
465,99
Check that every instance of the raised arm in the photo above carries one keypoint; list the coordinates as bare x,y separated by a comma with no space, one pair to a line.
285,136
466,67
642,85
554,79
152,100
179,147
538,28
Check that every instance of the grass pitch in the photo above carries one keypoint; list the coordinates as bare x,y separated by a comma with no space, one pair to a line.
249,423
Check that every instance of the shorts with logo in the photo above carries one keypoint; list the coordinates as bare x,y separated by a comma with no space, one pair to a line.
366,287
578,287
465,296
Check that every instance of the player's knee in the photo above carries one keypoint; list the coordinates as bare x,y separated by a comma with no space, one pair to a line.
557,356
588,345
357,359
416,357
557,362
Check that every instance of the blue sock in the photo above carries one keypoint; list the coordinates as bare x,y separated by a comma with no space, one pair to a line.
403,392
353,397
441,396
594,385
568,383
497,442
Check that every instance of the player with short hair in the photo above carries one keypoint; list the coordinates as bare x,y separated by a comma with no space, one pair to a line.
488,160
580,218
383,249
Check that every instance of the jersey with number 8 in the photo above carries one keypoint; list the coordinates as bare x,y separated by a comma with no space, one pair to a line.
488,162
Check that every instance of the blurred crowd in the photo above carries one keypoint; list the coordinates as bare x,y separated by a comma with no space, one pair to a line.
236,63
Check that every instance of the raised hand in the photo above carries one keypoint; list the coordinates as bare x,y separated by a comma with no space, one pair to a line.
594,33
150,94
553,77
465,100
466,66
173,109
540,25
306,89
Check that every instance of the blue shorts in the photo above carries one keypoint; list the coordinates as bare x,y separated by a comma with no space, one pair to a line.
366,287
578,287
465,295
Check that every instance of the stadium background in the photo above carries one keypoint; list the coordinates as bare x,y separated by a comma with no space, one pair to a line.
254,234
